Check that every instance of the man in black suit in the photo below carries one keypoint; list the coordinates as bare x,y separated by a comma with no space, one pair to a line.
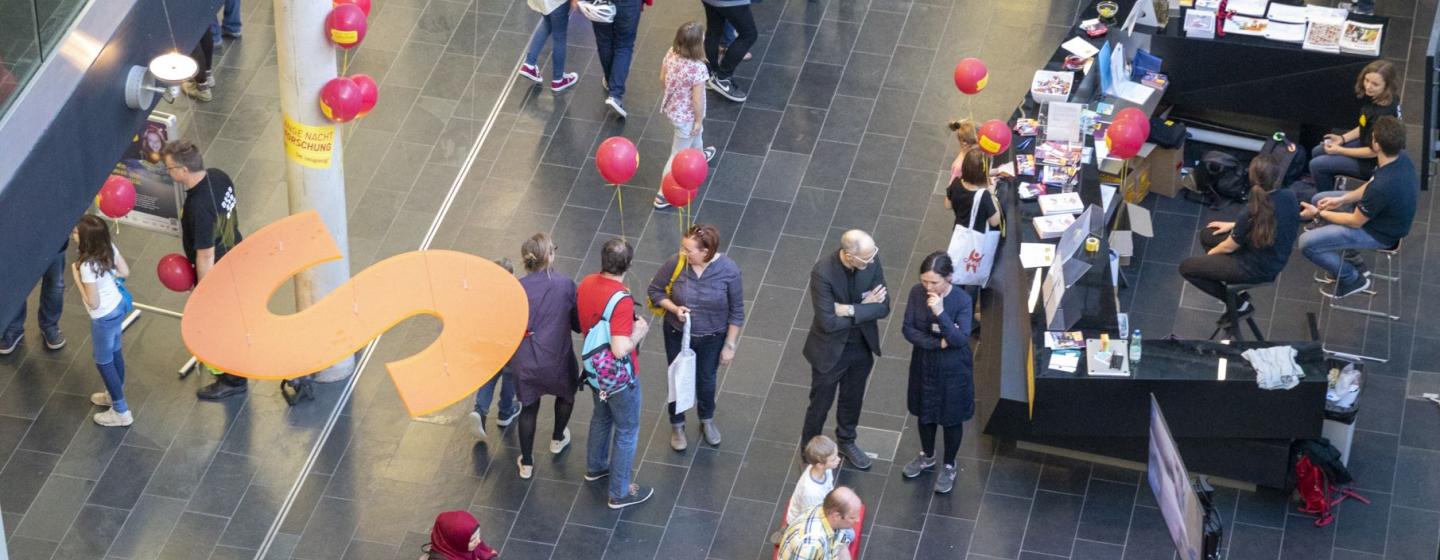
847,288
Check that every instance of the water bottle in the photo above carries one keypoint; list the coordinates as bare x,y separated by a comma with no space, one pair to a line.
1135,347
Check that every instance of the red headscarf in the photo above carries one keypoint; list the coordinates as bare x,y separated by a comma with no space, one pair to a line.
450,537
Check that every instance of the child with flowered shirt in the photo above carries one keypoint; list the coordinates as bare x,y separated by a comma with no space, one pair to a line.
684,73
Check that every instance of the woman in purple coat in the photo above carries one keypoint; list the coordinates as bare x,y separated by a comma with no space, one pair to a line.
544,364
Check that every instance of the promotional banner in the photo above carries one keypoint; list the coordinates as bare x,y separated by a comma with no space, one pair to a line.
310,146
157,198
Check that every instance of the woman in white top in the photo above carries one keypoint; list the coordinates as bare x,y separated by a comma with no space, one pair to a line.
96,269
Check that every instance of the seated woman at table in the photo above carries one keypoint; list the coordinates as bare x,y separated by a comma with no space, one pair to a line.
1252,249
1349,154
964,189
966,133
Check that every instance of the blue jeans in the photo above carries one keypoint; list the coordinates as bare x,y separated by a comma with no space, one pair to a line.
1324,167
622,413
52,301
554,25
508,405
707,364
615,44
232,20
105,338
1325,246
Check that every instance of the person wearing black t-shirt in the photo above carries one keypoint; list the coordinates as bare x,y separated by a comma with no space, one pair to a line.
209,227
968,188
1375,216
1349,154
1252,249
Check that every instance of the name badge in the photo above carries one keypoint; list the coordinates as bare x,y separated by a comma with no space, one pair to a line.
935,327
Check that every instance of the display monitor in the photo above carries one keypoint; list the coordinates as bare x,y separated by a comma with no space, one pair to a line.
1179,504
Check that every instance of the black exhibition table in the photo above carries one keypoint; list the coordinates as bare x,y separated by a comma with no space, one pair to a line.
1228,428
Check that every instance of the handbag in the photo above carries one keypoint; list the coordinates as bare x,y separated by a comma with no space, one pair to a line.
973,252
682,375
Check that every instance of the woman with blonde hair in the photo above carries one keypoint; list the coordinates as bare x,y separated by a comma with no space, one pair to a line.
1349,153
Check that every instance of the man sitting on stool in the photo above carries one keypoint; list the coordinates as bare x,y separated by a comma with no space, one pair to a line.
1375,216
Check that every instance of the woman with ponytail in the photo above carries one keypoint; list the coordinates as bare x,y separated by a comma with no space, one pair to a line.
1252,249
965,133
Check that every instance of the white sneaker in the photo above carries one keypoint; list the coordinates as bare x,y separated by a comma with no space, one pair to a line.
614,105
526,471
477,425
709,152
558,445
114,419
101,399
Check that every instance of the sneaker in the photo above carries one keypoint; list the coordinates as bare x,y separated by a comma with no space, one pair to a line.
558,445
506,421
9,342
198,92
230,34
605,84
532,72
726,89
1341,291
1355,9
709,153
637,494
54,340
526,471
564,82
921,464
711,432
1324,277
477,425
614,105
1245,307
660,203
946,481
597,475
101,399
855,456
111,418
219,390
678,441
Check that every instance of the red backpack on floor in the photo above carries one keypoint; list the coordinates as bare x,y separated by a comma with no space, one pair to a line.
1315,487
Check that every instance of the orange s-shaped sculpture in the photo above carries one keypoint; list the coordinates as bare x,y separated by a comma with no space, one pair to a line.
483,308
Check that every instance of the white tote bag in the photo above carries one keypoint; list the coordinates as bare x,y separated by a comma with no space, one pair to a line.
973,252
682,375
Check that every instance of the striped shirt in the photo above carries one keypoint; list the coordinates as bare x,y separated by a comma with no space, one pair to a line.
811,538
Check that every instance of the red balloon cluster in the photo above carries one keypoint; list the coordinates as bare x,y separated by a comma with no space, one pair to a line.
117,196
675,193
176,272
341,100
346,25
971,75
994,137
617,159
1127,133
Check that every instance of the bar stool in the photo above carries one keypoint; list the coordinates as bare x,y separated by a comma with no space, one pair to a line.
1392,275
1229,322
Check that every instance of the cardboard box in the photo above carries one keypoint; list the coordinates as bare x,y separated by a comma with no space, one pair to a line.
1165,166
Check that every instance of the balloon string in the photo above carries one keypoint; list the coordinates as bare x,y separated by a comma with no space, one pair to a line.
345,68
620,199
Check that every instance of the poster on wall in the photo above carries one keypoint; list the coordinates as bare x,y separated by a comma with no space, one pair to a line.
157,198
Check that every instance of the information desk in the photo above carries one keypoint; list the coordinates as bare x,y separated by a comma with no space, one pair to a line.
1225,427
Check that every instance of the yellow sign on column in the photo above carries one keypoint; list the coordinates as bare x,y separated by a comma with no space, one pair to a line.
310,146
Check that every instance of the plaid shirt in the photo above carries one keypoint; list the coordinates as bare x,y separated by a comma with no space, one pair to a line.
811,538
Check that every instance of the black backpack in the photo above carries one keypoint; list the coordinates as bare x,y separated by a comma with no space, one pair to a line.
1293,159
1220,174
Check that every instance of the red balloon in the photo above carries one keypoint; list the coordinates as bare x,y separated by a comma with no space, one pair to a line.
617,159
1129,113
1125,138
971,75
364,5
176,272
346,25
117,196
689,168
340,100
675,193
994,137
369,92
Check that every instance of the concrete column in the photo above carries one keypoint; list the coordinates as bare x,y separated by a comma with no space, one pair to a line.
307,61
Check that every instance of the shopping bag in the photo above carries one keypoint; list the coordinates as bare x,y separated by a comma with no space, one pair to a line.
682,374
972,252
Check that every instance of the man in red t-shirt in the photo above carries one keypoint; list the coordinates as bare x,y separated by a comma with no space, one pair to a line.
617,415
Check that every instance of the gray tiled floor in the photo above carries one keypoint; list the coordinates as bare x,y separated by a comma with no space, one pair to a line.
843,129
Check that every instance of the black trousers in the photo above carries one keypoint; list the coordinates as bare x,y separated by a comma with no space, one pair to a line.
1211,273
743,21
953,436
848,377
204,54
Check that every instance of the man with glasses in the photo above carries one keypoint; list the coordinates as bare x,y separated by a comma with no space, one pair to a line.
847,288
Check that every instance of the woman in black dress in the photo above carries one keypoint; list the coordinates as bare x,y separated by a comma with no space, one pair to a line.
942,389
